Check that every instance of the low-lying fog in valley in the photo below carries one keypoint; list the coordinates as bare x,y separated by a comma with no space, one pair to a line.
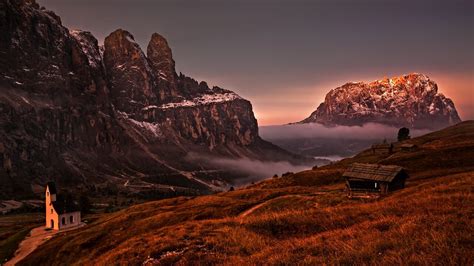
330,143
324,144
252,170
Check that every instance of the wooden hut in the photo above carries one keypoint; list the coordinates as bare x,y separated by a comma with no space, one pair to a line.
407,147
382,148
364,179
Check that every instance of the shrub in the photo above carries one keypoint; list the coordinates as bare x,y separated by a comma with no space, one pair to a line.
403,134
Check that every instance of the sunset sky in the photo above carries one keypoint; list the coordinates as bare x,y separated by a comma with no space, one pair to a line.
284,56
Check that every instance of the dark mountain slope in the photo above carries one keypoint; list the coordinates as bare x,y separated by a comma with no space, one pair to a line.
90,117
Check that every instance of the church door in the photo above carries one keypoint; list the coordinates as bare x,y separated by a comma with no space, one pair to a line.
52,223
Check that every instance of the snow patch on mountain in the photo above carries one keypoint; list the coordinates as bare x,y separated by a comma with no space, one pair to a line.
201,100
150,129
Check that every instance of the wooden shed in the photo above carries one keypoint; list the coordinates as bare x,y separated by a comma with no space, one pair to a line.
364,179
408,147
382,148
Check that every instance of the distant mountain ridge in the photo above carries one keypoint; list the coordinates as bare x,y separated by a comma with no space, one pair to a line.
409,100
93,116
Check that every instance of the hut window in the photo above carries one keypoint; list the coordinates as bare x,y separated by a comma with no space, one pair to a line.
71,219
63,220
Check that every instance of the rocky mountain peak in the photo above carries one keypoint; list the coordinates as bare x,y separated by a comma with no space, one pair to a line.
90,47
34,47
159,53
121,44
129,73
409,100
161,61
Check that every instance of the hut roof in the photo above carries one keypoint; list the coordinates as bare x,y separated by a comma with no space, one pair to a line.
381,146
408,145
376,172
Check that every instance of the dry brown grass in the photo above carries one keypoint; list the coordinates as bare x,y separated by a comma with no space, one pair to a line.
301,219
13,229
429,223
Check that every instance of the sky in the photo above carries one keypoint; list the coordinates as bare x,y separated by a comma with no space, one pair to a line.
285,55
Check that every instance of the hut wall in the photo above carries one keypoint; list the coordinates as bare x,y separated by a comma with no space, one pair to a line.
363,185
397,183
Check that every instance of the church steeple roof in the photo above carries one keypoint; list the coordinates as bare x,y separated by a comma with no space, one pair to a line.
52,187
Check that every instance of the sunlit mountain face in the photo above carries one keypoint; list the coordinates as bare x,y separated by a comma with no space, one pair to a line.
410,100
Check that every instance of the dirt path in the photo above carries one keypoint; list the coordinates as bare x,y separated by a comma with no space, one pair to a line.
249,211
36,237
256,207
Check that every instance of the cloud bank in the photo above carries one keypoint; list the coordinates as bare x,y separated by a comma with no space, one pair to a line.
326,139
253,170
315,130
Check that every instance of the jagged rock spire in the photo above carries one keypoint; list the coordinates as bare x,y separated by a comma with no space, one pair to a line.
161,61
130,76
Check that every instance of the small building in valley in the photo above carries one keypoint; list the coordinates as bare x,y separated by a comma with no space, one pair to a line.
407,147
364,179
382,148
61,212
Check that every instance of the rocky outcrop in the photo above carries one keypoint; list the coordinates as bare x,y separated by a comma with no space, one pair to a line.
128,71
162,63
411,100
93,117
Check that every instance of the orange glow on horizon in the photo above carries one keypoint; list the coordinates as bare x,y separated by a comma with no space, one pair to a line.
285,109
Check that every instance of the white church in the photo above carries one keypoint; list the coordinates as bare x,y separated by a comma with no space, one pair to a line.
61,213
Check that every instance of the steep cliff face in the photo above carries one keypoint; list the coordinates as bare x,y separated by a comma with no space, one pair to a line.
129,73
411,100
147,91
162,63
93,116
50,98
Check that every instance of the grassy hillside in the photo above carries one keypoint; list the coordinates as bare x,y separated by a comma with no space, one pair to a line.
303,218
447,151
13,229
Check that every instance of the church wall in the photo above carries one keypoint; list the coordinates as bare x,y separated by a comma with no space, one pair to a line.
76,219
